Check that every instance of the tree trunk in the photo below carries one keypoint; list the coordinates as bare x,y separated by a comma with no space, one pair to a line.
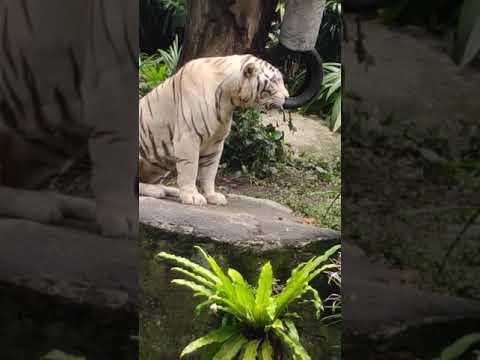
218,28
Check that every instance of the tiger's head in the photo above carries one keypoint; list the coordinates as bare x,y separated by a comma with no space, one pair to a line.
260,84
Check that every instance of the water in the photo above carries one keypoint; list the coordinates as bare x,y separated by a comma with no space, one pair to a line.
32,325
166,311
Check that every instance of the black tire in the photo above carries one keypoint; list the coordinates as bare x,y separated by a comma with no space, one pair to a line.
312,85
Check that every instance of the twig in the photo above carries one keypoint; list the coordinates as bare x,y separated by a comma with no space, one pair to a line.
331,204
452,246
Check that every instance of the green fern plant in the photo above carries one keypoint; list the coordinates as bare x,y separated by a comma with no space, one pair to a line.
152,72
330,97
334,300
154,69
171,56
256,324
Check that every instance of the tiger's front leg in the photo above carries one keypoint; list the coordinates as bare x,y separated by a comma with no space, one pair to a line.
207,172
187,154
113,183
114,152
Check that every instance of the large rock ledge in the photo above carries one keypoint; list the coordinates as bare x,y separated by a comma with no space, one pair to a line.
377,306
243,235
69,263
85,268
249,222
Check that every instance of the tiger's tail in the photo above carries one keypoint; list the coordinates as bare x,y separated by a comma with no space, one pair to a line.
157,191
171,191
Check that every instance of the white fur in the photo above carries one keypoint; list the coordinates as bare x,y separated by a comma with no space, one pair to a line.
185,120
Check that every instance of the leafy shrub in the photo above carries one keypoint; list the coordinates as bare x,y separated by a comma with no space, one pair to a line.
329,40
254,322
152,73
154,69
253,147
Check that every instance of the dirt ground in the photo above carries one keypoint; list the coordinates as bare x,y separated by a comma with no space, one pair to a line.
415,157
312,135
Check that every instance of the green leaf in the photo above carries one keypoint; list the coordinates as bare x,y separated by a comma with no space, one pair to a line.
231,348
231,307
298,351
243,294
227,284
190,265
334,86
195,287
199,308
277,324
209,353
216,336
198,278
277,135
250,352
264,291
236,276
468,32
266,350
235,298
317,301
317,272
336,114
292,330
245,301
459,347
298,281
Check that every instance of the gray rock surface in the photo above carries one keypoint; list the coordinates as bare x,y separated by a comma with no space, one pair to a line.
77,265
377,305
244,222
311,136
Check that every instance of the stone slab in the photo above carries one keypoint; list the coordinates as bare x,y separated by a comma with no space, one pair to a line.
377,306
244,222
70,263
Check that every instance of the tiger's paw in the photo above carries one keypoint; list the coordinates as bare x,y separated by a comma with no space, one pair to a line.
192,198
216,199
115,223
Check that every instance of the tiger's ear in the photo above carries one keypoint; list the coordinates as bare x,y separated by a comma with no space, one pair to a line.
250,70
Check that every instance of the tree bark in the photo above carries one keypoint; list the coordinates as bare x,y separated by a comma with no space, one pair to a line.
219,28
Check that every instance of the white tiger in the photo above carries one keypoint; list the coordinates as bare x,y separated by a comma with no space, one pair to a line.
184,121
68,85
